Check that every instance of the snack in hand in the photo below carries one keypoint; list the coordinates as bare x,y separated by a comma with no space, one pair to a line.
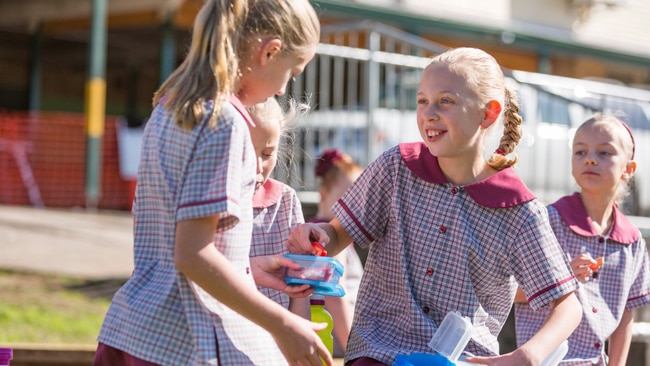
316,272
599,263
320,251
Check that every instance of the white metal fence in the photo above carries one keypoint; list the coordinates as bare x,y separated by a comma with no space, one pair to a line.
362,85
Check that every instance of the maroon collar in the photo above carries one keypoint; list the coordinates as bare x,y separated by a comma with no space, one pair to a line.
503,189
242,110
268,194
574,214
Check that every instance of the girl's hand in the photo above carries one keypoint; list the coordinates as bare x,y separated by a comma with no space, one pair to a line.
517,357
301,238
581,264
300,344
269,271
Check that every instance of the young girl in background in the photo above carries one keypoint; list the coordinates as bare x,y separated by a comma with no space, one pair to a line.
448,230
276,207
192,298
337,171
607,253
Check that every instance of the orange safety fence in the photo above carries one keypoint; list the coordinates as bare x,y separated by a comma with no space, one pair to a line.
43,161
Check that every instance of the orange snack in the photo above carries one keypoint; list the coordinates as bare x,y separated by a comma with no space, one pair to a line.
599,263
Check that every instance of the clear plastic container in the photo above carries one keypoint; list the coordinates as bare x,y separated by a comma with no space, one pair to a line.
322,273
452,336
448,342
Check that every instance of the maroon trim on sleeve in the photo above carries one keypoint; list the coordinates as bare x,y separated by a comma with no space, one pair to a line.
535,295
356,221
199,203
637,297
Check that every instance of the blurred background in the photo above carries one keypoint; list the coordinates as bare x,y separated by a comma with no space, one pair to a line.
78,77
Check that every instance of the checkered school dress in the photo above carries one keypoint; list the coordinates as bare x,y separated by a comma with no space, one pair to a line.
437,247
159,315
276,211
622,283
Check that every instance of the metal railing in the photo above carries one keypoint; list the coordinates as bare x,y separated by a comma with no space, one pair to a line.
362,85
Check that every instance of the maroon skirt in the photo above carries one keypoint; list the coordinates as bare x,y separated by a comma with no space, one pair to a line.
109,356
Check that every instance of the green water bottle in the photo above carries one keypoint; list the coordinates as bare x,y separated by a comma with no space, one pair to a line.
320,315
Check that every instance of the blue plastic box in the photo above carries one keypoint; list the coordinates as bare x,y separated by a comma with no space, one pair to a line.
322,273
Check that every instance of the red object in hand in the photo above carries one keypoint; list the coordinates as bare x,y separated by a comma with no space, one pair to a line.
599,262
320,251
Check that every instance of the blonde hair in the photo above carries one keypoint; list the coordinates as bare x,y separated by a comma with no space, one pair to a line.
224,31
485,78
285,116
613,124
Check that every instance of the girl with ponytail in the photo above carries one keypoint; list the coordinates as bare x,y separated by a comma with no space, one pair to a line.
192,298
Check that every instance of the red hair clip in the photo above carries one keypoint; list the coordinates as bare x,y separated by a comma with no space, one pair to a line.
326,161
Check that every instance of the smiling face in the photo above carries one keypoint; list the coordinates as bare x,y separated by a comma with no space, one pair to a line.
448,113
601,160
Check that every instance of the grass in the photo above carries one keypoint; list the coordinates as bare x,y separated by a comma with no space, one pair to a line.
49,309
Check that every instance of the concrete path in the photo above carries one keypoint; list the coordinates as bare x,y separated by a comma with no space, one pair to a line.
73,242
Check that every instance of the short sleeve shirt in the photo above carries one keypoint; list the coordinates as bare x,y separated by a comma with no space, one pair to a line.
159,315
437,247
276,211
622,282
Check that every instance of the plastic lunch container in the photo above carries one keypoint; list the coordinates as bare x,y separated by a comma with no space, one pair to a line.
322,273
447,344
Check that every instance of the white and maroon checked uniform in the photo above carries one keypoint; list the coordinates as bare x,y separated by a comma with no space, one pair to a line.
622,283
437,247
276,211
159,315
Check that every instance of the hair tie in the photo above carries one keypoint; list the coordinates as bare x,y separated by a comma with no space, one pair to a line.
500,151
326,161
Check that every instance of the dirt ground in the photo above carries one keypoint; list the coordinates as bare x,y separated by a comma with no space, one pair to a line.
70,242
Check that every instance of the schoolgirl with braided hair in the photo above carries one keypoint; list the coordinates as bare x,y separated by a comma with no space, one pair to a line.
448,230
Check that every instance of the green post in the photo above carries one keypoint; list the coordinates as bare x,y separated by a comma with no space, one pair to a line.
35,66
95,103
167,49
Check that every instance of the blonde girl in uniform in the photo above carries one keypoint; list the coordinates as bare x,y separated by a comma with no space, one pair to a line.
448,230
276,207
607,252
192,298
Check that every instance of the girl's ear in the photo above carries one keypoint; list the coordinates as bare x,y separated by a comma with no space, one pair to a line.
268,49
492,111
630,169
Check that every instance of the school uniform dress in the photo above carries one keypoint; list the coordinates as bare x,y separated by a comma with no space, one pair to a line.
437,247
622,282
276,211
159,315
